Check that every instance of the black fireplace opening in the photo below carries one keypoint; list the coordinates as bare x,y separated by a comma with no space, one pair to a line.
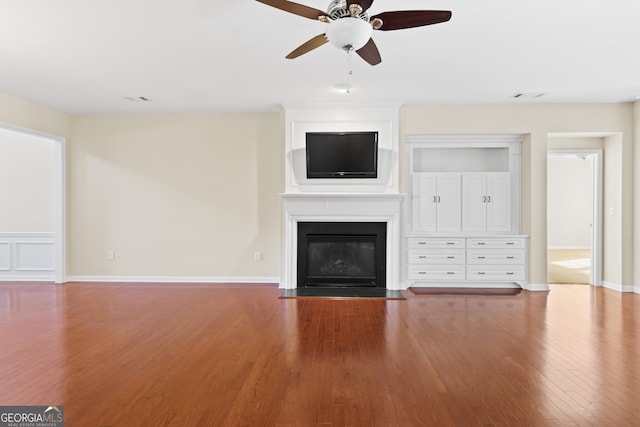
342,254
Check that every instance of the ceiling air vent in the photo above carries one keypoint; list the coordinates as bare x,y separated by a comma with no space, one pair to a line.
137,98
527,95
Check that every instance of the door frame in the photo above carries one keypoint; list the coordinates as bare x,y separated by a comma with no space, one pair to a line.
60,198
597,220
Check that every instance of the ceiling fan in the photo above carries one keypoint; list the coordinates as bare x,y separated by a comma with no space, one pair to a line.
350,27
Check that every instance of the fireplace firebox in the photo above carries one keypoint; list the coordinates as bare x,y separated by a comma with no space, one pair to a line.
342,254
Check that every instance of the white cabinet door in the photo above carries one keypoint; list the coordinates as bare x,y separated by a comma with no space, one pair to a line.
449,202
498,202
436,202
424,201
486,202
474,202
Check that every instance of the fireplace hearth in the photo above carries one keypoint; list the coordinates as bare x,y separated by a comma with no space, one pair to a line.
341,254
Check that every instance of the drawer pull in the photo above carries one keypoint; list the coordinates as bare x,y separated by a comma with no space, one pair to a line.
422,243
422,257
481,243
482,257
422,272
510,257
510,273
511,243
451,257
482,273
451,243
451,273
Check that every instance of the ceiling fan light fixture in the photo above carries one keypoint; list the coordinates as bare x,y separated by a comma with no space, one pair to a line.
349,33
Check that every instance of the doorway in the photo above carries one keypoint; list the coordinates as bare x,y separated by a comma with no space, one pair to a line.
574,223
33,251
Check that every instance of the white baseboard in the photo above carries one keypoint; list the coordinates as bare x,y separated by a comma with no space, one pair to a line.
536,287
617,287
174,279
465,285
28,278
636,289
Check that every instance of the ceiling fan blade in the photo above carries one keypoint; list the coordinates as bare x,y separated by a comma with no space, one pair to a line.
400,19
369,52
295,8
309,45
364,4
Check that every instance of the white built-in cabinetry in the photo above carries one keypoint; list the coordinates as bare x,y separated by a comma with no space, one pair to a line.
464,225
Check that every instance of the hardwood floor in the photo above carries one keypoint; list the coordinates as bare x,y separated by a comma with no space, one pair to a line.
215,355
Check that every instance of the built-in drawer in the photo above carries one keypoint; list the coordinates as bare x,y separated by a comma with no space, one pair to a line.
437,272
433,242
436,256
495,273
515,243
495,256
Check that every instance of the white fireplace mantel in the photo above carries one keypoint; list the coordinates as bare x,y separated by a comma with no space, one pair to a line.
342,207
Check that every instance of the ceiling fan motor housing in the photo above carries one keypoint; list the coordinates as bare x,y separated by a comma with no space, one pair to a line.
339,9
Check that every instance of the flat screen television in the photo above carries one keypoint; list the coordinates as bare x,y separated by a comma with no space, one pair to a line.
342,154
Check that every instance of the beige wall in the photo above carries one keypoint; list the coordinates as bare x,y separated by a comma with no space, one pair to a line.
18,112
26,183
536,122
175,195
197,194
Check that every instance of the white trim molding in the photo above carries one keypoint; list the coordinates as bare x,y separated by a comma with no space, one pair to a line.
618,287
536,287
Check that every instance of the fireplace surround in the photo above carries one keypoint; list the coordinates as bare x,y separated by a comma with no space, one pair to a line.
343,208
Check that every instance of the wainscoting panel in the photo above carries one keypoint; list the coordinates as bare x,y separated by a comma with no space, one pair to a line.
27,256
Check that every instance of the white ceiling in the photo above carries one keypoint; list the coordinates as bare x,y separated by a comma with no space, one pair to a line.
86,56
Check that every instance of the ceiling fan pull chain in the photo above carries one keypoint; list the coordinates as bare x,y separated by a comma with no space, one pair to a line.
349,71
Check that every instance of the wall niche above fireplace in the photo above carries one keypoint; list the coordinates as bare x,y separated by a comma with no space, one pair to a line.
342,254
303,121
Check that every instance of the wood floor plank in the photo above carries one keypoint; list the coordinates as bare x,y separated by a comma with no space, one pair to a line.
237,355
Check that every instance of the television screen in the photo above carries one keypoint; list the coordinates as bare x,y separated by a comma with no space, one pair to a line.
342,154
